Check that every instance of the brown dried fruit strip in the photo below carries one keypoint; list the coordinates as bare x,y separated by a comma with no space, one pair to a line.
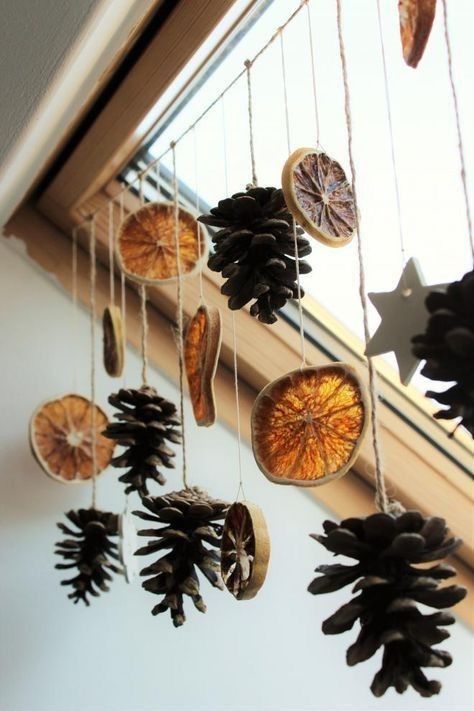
202,344
114,347
416,21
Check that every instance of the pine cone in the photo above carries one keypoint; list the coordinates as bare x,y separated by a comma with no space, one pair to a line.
386,547
146,421
90,551
448,348
255,250
187,521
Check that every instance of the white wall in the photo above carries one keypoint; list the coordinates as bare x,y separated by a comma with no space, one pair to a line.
262,655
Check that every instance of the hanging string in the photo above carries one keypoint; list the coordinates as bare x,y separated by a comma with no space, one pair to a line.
144,320
111,252
179,316
139,174
123,305
458,127
295,235
248,66
74,307
313,73
381,498
198,212
141,194
92,282
158,186
388,104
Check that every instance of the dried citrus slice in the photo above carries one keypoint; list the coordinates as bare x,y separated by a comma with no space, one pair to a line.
114,347
245,550
60,438
146,244
319,196
202,344
307,426
416,20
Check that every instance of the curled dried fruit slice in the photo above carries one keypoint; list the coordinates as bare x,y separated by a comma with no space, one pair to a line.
61,441
307,426
114,346
416,20
146,244
202,344
245,550
319,196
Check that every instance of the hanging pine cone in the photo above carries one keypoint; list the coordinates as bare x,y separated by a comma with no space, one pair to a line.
90,550
254,249
386,547
188,520
448,348
146,422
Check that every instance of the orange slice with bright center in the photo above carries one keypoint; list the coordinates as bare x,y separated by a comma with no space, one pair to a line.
307,426
146,243
61,439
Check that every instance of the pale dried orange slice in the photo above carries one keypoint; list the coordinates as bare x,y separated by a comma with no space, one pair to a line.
114,347
416,21
146,245
307,426
202,344
319,196
245,550
61,441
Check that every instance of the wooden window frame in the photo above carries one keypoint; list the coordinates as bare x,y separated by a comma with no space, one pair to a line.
417,474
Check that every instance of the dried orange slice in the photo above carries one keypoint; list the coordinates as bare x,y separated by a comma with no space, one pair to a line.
307,426
245,550
114,347
319,196
146,245
60,438
416,20
202,344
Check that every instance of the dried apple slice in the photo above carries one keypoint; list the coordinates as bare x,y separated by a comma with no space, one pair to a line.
416,21
146,245
114,347
61,438
308,425
245,550
202,344
319,196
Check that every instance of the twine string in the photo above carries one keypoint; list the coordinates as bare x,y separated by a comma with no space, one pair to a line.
295,235
313,74
144,344
158,177
388,104
197,207
248,67
74,307
110,226
240,490
179,315
92,301
458,127
381,497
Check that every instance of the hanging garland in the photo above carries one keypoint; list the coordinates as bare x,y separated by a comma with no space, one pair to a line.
447,345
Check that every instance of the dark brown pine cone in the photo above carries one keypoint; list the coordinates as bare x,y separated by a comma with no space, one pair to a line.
386,548
90,550
187,521
147,421
254,249
448,348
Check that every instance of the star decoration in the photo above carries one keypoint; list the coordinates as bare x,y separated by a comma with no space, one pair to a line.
404,314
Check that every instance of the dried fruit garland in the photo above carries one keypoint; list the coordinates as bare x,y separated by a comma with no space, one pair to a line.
254,249
387,548
447,345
